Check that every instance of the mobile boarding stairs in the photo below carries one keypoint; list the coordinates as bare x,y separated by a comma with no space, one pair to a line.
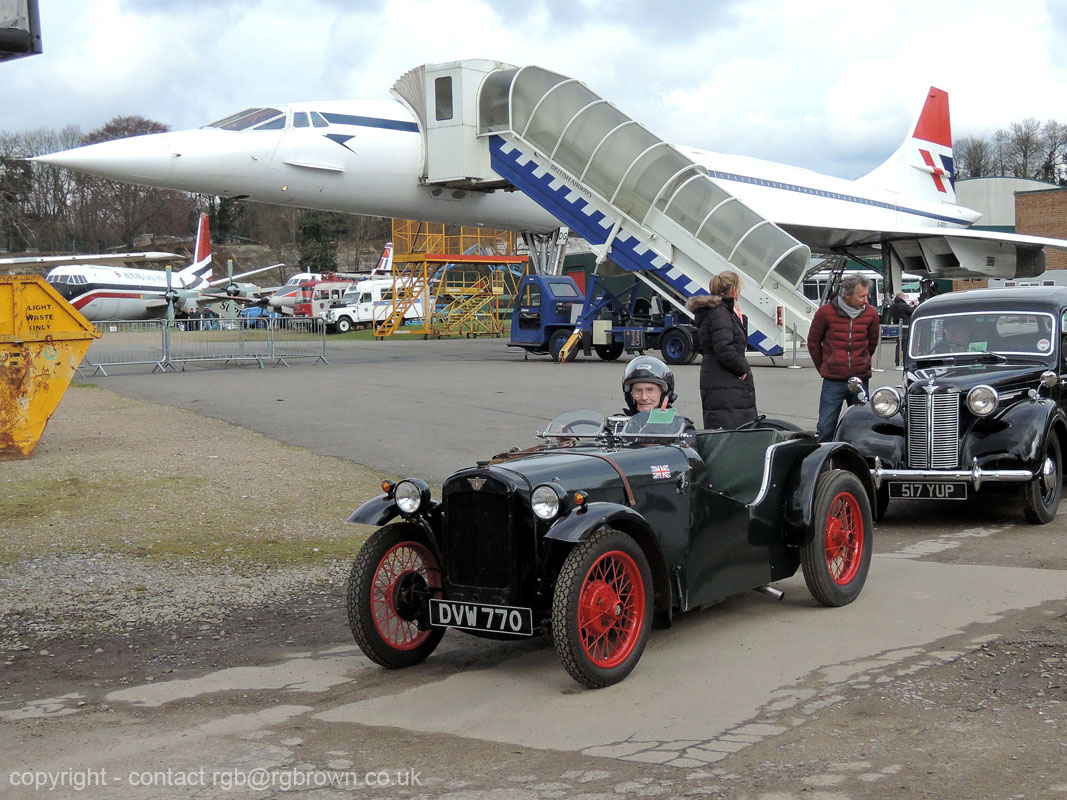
635,198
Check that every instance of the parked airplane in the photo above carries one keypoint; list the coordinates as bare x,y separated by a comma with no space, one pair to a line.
368,157
101,292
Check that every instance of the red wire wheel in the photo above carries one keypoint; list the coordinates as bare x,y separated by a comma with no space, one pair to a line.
837,555
392,580
844,538
405,571
602,608
611,608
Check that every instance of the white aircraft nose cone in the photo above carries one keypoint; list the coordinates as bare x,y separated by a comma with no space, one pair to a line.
145,159
204,160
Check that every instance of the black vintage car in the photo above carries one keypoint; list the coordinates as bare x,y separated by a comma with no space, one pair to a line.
603,530
981,406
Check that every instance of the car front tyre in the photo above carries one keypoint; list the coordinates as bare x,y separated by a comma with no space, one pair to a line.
1041,496
392,579
344,325
602,608
838,557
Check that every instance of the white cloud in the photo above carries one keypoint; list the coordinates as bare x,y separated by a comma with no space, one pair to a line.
825,84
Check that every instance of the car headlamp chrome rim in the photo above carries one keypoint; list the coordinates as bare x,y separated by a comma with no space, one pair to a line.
982,400
1049,379
546,501
885,402
411,496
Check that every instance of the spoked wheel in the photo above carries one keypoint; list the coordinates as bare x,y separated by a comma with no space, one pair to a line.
1041,496
838,557
602,609
393,578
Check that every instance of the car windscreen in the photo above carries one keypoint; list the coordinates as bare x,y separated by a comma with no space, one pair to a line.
658,425
1005,332
579,423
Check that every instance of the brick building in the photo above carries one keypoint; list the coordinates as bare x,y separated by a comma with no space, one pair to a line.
1044,213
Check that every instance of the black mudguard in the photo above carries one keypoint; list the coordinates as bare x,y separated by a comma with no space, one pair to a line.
1014,439
874,436
580,523
376,511
798,518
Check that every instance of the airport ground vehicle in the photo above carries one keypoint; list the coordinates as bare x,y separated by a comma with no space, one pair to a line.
981,406
257,316
314,297
551,307
606,529
366,303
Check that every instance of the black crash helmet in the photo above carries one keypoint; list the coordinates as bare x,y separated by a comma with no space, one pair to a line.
647,369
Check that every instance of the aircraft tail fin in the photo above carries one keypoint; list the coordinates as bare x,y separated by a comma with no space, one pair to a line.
922,166
199,272
385,263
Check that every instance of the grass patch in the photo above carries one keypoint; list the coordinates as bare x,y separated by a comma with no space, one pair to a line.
233,550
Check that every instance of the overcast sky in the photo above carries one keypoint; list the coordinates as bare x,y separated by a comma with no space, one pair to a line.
828,85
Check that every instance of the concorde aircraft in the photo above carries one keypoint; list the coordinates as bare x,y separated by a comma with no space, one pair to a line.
370,157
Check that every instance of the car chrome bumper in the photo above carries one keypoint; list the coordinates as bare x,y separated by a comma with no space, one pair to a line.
975,476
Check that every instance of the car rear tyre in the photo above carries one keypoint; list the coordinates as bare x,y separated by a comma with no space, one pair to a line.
1041,496
608,352
602,608
556,342
838,557
881,503
676,348
344,325
392,580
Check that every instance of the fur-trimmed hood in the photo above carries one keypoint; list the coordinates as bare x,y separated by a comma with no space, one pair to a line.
699,301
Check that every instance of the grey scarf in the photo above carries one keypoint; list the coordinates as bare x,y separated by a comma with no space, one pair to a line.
846,309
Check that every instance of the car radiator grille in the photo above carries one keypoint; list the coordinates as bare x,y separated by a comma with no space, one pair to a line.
478,542
933,431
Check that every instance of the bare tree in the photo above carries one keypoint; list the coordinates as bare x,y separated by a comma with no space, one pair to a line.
974,156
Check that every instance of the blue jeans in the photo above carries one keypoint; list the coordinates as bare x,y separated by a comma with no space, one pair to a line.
833,394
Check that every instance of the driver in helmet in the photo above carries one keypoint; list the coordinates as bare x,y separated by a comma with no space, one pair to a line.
648,383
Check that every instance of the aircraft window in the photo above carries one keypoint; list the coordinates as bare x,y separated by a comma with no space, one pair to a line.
318,121
222,123
247,119
275,124
300,120
442,89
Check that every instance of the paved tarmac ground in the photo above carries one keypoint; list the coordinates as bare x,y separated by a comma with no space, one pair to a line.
433,405
945,679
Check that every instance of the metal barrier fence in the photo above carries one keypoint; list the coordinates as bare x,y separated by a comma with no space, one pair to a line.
166,344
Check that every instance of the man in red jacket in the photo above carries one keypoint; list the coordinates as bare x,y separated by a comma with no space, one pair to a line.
842,338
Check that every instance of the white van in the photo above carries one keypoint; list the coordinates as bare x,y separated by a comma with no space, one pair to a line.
367,303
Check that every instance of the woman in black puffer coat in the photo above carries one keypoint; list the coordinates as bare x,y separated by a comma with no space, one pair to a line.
727,394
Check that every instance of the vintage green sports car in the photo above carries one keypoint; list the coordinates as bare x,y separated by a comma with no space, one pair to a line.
607,528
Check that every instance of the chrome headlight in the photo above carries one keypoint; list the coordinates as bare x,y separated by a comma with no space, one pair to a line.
885,402
546,501
1049,379
982,400
411,496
